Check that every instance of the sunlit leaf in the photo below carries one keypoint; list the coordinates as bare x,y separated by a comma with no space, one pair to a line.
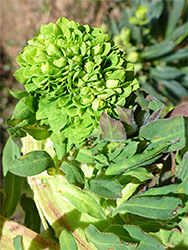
106,188
151,207
67,241
32,163
104,240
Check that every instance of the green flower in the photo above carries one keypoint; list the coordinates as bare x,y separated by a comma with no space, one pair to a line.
75,73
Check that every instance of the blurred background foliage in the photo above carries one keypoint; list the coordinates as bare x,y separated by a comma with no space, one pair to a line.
153,33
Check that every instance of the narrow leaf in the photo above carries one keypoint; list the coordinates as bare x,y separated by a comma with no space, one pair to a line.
81,200
13,186
107,188
146,241
182,170
177,55
147,157
161,191
30,164
67,241
174,16
74,174
166,72
150,207
112,130
104,240
12,183
175,87
157,50
32,218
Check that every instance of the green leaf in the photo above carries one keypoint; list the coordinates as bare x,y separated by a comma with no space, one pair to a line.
32,218
182,170
145,158
177,55
81,200
183,188
85,156
67,241
165,130
13,186
180,240
17,243
18,94
74,174
104,240
161,191
38,132
174,16
10,152
128,151
120,231
146,241
175,239
17,132
177,33
150,207
139,173
127,118
112,130
157,50
22,111
106,188
156,10
175,87
32,163
166,72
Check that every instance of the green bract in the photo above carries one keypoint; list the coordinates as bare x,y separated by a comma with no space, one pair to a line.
73,73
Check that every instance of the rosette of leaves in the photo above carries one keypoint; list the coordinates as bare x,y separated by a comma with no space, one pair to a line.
71,74
154,36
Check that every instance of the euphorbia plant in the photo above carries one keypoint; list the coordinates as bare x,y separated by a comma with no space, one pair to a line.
96,153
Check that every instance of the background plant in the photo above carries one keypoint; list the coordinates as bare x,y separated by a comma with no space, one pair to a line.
90,194
154,36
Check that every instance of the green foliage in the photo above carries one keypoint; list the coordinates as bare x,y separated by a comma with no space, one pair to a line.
67,241
153,34
71,74
32,218
32,163
101,170
104,241
12,183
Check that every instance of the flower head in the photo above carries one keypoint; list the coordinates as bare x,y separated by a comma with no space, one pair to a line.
75,72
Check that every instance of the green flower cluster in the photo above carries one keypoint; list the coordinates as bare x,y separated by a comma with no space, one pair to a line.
75,72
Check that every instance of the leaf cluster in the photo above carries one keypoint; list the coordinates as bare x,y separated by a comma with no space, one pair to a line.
71,74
